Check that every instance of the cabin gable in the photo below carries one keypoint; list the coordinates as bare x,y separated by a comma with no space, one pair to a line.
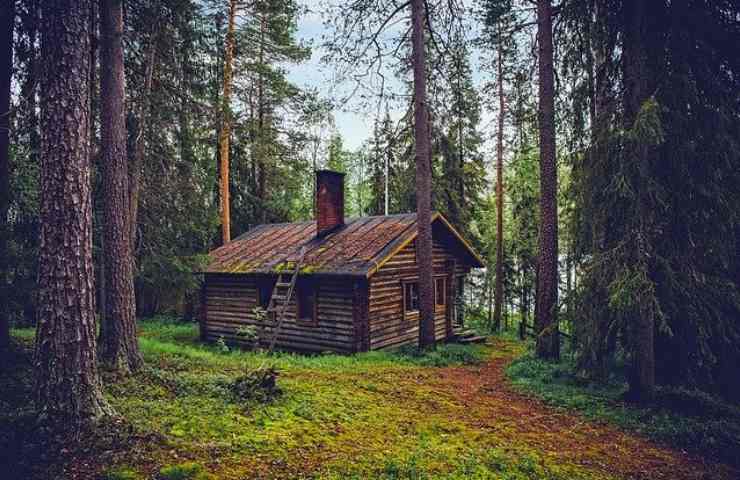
391,317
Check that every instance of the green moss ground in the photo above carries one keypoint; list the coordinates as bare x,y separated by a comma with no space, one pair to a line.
339,416
373,415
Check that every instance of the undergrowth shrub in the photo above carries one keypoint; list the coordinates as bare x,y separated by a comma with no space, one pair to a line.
256,385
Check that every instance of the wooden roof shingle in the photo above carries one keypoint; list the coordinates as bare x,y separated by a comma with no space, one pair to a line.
357,248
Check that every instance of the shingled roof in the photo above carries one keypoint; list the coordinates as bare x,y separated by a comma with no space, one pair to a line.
357,248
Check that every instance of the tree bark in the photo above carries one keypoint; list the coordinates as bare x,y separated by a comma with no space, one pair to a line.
225,134
119,347
68,390
7,21
499,289
636,92
548,342
423,179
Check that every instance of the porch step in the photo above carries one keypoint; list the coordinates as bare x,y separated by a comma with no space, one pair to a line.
463,333
473,339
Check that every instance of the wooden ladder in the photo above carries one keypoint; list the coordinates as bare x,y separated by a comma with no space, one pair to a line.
280,298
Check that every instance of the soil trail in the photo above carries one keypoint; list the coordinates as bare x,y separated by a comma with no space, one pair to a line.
492,404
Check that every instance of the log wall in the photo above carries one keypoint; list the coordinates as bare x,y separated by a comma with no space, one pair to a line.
388,327
229,302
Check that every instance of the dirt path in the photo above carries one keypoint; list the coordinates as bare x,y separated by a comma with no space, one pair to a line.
491,404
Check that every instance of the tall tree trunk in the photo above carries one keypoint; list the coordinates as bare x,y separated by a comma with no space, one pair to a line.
137,159
261,121
68,388
636,92
225,134
548,342
423,179
7,21
499,295
460,174
119,347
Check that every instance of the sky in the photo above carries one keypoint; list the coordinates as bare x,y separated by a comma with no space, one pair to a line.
354,127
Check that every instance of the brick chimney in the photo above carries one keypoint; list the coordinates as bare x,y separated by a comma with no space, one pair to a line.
329,201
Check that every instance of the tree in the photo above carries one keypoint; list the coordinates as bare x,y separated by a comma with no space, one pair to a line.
68,387
546,323
499,288
119,348
657,199
423,178
637,92
140,120
7,21
225,133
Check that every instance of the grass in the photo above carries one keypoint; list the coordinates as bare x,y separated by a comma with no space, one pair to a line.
685,419
375,415
337,412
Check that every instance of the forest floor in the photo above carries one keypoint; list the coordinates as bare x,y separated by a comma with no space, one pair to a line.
451,414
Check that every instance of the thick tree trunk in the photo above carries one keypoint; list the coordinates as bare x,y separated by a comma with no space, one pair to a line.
499,295
546,323
636,92
225,134
7,20
423,179
119,347
68,389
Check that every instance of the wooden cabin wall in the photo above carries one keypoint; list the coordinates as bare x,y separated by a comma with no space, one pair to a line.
388,328
229,302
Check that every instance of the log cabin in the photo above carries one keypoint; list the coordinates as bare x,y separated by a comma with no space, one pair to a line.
355,281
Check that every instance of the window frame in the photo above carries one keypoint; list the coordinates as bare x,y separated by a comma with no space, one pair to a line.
265,285
300,293
404,284
443,280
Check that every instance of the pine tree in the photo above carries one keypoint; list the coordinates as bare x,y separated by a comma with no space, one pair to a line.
225,132
119,348
68,388
546,323
423,179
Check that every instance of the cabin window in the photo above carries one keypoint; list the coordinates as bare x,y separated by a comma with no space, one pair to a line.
306,303
410,297
264,292
440,292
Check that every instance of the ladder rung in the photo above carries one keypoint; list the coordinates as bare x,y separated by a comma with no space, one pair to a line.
280,298
282,285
